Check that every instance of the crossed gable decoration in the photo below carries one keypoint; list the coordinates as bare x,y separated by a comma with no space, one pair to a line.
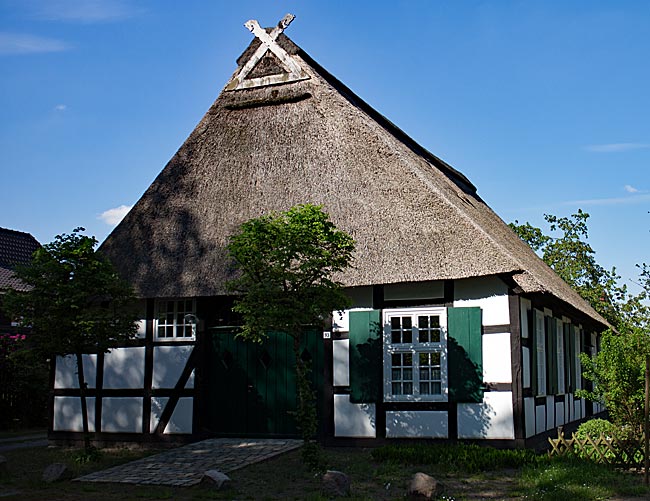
293,71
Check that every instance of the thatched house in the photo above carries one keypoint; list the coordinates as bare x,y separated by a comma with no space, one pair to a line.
458,330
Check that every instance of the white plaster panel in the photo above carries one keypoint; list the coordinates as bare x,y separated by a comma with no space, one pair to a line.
577,410
529,414
571,407
122,414
168,365
67,414
158,405
583,407
550,412
353,420
417,424
65,375
341,319
488,293
496,358
559,414
524,307
540,419
491,419
190,380
181,420
525,355
124,368
414,290
142,328
341,356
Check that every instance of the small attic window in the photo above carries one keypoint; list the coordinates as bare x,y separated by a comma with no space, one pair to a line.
175,320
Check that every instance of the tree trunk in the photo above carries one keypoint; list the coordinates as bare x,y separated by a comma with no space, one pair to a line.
82,395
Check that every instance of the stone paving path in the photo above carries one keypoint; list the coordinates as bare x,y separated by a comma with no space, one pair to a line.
185,465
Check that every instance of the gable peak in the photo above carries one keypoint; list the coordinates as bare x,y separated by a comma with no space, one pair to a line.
288,69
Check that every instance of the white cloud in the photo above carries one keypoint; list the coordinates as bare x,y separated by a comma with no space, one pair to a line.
616,147
81,11
17,43
631,189
113,216
60,107
635,199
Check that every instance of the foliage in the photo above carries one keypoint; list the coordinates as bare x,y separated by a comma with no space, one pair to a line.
574,260
287,262
594,428
24,379
76,303
618,373
457,457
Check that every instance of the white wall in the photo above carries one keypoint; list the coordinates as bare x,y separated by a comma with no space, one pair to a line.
67,414
65,374
168,365
497,366
353,420
124,368
489,293
492,419
341,372
181,419
417,424
122,414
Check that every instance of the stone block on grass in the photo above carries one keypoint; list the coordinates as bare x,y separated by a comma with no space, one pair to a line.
216,479
56,472
423,486
336,483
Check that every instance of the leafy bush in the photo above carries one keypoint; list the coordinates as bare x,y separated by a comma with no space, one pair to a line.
465,458
595,427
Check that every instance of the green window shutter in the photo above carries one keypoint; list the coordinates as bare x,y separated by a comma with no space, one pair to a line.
568,384
551,355
532,331
465,354
366,357
572,355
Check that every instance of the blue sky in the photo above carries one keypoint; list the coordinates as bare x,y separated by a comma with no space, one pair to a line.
544,106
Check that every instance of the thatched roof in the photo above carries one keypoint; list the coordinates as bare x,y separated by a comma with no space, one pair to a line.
413,217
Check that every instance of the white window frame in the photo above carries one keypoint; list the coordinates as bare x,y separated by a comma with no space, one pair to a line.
415,348
190,320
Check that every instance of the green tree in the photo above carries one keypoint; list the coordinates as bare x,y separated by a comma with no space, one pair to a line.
76,304
617,371
287,262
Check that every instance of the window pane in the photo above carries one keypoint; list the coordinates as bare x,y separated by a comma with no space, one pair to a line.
425,389
406,323
407,374
424,374
407,336
396,389
436,388
423,322
395,323
396,374
434,336
408,359
395,337
424,359
434,321
396,359
435,374
408,388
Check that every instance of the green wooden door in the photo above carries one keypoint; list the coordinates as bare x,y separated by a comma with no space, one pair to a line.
251,388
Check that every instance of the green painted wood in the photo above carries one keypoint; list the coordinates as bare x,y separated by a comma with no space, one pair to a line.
568,377
574,356
465,354
533,364
366,357
551,356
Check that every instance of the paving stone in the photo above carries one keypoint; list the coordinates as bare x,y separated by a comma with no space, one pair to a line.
181,466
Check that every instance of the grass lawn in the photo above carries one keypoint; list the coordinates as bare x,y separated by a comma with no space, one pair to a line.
374,476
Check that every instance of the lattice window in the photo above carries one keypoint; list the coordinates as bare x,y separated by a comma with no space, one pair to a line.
414,354
176,319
